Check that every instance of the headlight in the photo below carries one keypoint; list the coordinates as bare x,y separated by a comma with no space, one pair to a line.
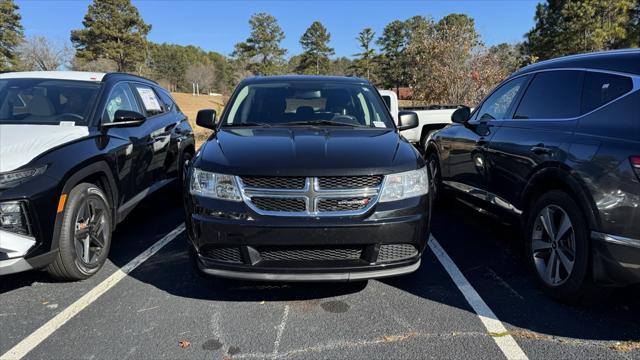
212,185
13,217
15,177
405,185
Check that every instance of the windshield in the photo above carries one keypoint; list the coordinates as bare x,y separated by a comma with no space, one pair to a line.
46,101
307,103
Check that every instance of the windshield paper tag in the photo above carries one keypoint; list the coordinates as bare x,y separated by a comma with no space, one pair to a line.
67,123
149,99
379,124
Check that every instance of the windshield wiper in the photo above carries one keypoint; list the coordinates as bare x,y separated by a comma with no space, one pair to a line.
323,122
248,124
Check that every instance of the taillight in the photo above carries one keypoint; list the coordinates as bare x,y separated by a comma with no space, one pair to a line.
635,163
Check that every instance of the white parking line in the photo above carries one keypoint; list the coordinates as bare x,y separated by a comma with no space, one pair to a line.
38,336
283,323
494,326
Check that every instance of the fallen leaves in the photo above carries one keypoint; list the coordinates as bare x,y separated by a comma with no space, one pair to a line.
184,343
625,346
394,338
499,334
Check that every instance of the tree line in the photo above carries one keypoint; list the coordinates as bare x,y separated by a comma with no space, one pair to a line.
443,61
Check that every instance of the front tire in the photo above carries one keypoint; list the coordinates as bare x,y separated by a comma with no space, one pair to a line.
85,234
558,249
435,176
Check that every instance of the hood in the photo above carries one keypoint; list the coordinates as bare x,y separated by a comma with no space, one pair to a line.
19,144
307,152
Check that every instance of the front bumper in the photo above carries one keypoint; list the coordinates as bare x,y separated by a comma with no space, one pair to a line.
20,253
387,241
616,259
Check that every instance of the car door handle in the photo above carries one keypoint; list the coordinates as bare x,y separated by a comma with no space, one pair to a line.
540,149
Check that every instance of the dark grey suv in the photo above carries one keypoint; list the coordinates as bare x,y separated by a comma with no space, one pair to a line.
558,145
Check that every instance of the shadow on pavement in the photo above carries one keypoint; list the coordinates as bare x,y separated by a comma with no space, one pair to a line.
147,223
490,254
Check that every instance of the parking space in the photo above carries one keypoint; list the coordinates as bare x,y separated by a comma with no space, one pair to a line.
162,309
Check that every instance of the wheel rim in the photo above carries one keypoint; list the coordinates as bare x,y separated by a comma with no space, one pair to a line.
91,231
185,167
553,245
433,169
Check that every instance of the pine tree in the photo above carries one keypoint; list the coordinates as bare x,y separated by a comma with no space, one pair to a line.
11,34
261,52
113,29
566,27
315,42
392,44
364,65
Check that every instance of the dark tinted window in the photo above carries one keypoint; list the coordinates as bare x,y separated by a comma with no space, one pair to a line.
387,101
552,95
498,104
169,104
600,88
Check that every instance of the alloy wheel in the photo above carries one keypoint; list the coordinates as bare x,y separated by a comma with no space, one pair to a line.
553,245
433,172
91,231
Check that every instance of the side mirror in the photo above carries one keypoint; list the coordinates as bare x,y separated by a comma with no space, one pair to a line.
407,120
461,115
206,119
125,118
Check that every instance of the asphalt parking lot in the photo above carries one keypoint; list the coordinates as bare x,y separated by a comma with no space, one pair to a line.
162,309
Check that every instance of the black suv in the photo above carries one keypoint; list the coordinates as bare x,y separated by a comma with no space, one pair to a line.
558,145
78,151
307,178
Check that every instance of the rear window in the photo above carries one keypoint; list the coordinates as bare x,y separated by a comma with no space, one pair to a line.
601,88
552,95
169,104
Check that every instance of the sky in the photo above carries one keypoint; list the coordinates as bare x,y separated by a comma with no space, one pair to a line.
219,25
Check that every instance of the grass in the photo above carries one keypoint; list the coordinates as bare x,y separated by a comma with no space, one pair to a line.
190,104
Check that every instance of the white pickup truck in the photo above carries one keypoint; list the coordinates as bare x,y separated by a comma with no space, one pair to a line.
431,118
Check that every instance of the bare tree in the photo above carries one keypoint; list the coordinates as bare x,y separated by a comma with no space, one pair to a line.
203,75
38,53
100,65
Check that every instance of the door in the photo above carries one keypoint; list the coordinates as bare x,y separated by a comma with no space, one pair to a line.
159,124
538,133
131,158
180,133
465,166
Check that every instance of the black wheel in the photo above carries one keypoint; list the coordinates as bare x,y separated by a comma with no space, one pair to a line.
185,164
85,235
558,249
181,188
435,177
425,141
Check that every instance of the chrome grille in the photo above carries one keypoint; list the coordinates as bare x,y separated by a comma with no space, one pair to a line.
279,204
347,196
275,182
394,252
349,182
309,254
343,204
